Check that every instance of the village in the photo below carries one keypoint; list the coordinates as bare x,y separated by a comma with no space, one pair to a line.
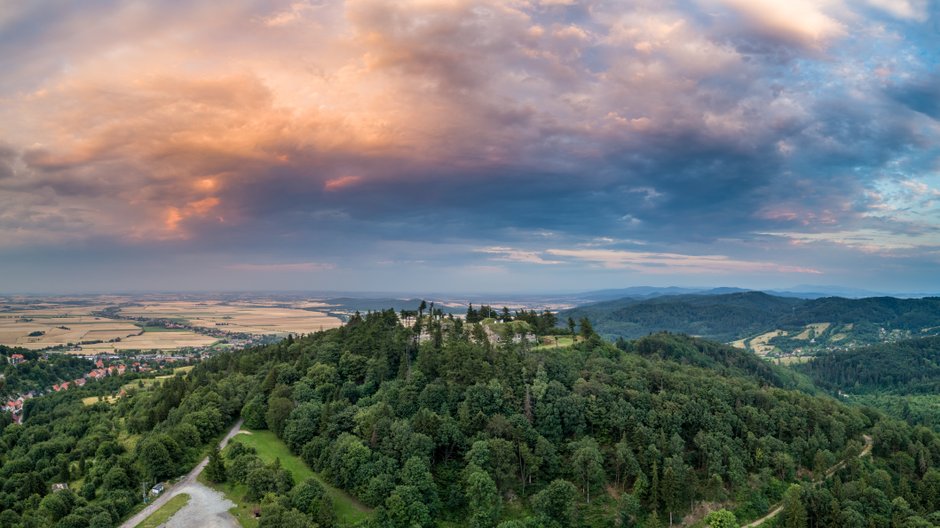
106,365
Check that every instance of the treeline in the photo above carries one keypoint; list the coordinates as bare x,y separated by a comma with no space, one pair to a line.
37,374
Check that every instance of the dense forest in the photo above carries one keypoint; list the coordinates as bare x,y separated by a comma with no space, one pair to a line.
434,425
737,315
901,378
35,374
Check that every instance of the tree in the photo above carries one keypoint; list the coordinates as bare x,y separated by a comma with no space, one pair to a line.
483,502
628,509
721,519
794,512
571,326
587,330
155,459
673,484
253,413
310,498
587,466
215,469
100,520
404,509
279,410
260,481
275,514
555,503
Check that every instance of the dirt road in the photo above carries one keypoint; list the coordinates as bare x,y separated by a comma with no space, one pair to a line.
779,507
207,508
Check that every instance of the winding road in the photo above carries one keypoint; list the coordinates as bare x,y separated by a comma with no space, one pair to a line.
207,508
779,507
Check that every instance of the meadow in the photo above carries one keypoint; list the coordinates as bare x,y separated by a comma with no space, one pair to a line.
349,511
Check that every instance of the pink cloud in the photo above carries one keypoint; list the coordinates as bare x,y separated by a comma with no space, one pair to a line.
342,182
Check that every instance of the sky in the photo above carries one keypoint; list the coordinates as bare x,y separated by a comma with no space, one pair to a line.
461,146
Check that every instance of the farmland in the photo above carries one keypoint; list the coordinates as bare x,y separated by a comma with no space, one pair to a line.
50,325
239,317
113,324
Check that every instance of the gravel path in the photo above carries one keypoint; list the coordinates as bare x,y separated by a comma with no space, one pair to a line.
207,508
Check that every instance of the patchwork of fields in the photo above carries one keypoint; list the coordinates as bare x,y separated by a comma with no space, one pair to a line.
104,324
237,317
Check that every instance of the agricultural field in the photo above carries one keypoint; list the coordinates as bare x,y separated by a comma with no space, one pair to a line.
147,341
48,325
256,317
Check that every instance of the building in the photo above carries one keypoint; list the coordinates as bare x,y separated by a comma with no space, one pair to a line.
16,359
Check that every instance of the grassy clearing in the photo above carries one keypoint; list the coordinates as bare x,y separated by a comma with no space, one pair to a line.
563,341
348,510
165,512
91,400
129,441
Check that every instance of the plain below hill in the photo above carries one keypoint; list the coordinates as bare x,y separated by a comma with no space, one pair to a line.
782,323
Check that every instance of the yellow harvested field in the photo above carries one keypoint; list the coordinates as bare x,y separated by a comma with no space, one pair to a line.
59,327
816,329
153,341
760,344
249,318
740,343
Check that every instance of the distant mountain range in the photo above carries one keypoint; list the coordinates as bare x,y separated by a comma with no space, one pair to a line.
802,292
767,324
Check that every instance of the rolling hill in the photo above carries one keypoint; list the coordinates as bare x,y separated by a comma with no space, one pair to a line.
768,324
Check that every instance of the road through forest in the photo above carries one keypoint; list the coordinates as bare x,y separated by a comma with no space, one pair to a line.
207,508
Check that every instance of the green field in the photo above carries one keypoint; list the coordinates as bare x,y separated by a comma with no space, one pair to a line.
165,512
563,341
349,511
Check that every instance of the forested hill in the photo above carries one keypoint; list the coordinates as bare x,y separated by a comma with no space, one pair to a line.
452,430
902,379
739,315
723,359
907,367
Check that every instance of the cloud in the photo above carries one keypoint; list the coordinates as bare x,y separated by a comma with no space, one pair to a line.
905,9
516,255
295,267
334,184
661,263
201,127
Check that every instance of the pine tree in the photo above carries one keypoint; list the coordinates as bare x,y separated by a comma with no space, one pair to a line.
215,469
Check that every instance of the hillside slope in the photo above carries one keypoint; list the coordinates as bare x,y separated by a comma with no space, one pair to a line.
766,323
